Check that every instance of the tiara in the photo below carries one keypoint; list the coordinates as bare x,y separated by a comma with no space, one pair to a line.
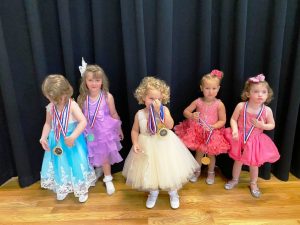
82,68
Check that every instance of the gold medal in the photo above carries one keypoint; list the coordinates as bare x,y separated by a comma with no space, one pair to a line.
58,151
205,160
162,130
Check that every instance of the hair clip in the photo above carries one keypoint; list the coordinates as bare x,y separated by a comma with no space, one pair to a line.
82,68
217,73
257,79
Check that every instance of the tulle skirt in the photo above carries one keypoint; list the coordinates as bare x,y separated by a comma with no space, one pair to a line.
195,137
70,171
164,164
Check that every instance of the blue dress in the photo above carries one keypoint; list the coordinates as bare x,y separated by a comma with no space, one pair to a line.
70,171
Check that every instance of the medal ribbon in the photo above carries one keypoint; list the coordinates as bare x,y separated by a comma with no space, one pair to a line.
152,127
60,122
247,134
203,123
91,122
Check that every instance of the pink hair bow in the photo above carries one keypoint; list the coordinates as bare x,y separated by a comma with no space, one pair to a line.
217,73
257,79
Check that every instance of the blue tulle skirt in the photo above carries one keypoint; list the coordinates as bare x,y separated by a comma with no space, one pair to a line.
70,171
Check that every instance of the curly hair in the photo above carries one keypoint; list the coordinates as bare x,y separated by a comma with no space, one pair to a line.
247,88
98,73
55,86
154,84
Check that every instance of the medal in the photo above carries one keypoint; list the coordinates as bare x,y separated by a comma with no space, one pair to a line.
60,124
90,137
162,130
205,160
154,127
58,151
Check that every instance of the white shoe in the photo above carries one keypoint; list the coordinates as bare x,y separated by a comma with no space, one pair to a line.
210,177
151,200
61,197
195,177
83,198
174,200
110,188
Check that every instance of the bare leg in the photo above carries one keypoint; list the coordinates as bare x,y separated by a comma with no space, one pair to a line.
211,170
197,173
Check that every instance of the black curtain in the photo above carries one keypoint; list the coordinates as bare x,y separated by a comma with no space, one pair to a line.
175,40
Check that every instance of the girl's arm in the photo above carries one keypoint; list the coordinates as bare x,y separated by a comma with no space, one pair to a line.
135,134
234,118
221,115
112,107
45,132
78,115
113,112
189,111
169,122
270,123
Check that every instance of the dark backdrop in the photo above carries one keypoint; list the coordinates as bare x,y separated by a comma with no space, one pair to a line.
177,41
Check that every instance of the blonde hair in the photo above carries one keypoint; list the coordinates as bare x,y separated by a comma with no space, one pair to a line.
98,73
247,87
210,76
154,84
55,86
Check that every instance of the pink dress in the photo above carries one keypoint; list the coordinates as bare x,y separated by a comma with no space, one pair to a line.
106,144
258,149
195,135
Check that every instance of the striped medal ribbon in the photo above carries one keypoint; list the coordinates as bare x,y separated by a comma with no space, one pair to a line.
60,121
91,120
247,134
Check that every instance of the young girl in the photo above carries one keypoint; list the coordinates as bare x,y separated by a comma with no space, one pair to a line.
203,130
158,159
103,132
65,167
249,145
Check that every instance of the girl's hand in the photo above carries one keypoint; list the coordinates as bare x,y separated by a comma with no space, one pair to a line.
235,134
44,144
258,123
156,105
195,116
121,135
69,141
136,148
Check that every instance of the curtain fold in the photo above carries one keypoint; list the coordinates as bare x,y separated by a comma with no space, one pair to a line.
177,41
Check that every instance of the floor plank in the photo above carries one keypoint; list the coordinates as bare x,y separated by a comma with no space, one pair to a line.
200,204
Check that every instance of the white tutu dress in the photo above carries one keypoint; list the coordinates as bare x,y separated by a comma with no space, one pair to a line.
165,162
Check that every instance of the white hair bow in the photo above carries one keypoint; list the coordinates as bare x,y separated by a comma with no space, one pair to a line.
82,68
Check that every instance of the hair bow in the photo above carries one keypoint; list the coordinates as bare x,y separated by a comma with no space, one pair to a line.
82,68
217,73
257,79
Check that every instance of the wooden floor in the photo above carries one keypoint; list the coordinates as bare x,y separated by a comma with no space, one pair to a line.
200,204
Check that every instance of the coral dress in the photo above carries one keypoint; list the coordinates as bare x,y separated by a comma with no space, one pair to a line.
195,136
164,164
105,146
70,171
258,149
